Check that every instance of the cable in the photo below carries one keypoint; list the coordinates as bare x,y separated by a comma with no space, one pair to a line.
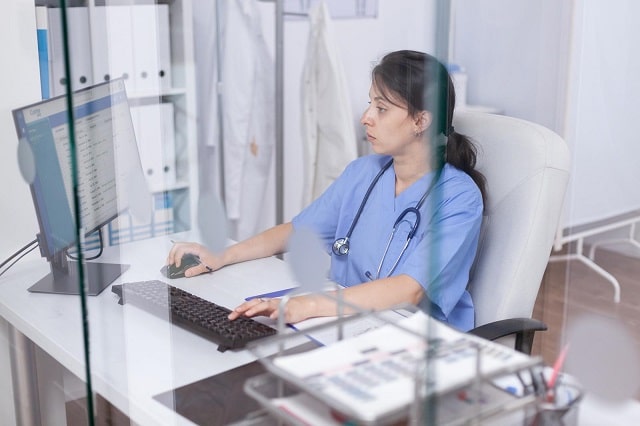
19,251
15,261
92,257
22,253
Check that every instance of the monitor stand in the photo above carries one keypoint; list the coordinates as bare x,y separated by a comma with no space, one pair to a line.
63,278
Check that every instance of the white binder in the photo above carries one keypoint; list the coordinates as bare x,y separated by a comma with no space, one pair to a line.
154,128
79,39
164,46
168,144
111,35
151,47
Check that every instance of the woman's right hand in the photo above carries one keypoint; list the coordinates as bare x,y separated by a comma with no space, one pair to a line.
208,261
296,309
267,243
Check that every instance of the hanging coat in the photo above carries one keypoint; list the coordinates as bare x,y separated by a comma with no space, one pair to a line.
248,87
206,58
327,122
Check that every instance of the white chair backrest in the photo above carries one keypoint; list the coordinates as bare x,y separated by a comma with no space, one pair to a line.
527,170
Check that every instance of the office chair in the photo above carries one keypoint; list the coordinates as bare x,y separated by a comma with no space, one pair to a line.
527,169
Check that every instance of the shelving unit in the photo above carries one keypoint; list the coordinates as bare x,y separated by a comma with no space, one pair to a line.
179,193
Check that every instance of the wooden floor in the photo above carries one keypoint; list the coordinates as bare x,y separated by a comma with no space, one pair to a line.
571,289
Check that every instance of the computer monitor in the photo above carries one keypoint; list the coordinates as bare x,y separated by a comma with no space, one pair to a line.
107,162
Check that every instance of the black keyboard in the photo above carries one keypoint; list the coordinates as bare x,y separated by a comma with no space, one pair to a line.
192,313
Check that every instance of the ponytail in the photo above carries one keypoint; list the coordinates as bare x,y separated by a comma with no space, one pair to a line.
461,153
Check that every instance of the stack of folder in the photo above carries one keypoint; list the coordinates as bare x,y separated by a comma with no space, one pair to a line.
125,41
107,42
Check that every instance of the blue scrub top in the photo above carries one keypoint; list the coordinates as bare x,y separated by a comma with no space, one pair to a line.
440,254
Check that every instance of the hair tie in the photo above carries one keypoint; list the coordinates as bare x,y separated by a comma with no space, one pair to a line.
449,131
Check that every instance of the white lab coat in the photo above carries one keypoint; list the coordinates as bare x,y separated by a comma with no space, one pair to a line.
209,125
205,41
327,121
248,87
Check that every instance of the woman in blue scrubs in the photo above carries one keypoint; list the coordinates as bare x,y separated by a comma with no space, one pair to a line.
419,183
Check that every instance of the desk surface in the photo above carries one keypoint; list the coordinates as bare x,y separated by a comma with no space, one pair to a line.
134,356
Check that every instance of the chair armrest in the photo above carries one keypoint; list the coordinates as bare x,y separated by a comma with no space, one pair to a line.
523,328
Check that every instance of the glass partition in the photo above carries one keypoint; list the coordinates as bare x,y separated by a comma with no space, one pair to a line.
566,66
167,131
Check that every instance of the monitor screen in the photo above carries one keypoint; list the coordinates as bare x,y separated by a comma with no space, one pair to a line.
107,162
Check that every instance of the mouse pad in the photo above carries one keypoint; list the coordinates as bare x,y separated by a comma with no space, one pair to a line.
216,400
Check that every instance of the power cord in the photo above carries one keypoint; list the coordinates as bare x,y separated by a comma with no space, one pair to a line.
27,248
19,255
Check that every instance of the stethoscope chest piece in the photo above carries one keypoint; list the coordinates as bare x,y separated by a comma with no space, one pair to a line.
341,246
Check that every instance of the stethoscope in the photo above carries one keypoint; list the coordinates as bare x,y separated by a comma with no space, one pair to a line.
341,245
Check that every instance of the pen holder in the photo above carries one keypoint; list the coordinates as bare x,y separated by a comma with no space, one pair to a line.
560,408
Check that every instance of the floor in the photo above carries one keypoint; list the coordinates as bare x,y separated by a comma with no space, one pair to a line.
105,413
571,290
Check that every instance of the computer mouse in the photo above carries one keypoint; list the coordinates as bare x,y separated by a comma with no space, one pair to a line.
173,271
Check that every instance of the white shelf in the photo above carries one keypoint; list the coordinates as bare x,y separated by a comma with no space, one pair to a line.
110,44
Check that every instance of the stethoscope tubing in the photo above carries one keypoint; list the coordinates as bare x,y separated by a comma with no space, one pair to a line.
366,197
414,229
341,245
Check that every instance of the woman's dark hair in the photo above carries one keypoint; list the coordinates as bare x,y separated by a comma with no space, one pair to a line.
422,83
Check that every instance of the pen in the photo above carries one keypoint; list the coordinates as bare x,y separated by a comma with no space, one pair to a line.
538,383
557,366
545,385
525,387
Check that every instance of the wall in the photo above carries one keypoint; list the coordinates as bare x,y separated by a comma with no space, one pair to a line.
568,66
604,110
515,55
19,86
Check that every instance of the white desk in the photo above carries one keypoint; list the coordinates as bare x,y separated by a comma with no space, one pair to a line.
133,355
